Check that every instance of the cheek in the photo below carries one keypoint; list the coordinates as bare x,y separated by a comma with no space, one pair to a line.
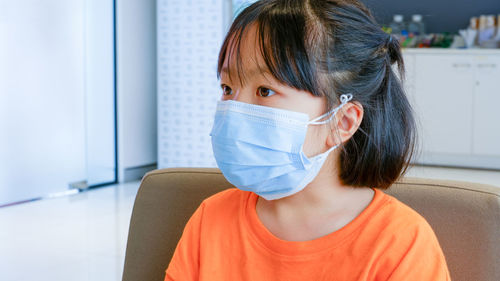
315,141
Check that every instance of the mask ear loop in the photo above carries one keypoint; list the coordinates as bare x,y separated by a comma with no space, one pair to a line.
344,98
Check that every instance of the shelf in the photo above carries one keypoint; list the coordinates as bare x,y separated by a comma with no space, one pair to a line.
475,51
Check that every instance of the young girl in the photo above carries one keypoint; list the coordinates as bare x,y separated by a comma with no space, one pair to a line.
312,124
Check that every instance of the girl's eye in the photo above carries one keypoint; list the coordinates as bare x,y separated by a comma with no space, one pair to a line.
226,90
265,92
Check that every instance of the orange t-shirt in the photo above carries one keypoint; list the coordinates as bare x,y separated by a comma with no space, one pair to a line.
225,240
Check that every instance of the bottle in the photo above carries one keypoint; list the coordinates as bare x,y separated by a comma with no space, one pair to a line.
397,25
497,35
486,29
470,34
416,26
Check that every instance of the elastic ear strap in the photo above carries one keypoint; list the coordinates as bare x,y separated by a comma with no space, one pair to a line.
344,98
326,153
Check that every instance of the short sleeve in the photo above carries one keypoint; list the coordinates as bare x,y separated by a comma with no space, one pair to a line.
423,260
185,262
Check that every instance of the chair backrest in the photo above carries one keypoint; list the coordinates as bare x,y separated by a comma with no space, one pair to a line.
464,216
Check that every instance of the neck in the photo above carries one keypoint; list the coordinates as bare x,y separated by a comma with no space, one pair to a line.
325,194
324,206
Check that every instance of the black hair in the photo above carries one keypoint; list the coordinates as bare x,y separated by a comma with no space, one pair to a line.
329,48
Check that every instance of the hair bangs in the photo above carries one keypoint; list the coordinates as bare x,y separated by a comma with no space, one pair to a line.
281,38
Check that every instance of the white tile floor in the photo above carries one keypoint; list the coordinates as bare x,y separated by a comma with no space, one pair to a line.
83,236
76,237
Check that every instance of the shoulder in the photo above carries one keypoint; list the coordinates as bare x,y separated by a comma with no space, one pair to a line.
216,210
394,204
387,213
414,252
230,196
393,228
398,215
225,203
405,238
400,223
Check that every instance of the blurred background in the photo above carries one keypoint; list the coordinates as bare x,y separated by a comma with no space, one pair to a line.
95,93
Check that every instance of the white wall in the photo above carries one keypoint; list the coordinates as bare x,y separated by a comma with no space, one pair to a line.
42,92
189,37
136,85
42,121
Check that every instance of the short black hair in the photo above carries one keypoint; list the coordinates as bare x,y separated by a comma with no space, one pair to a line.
331,47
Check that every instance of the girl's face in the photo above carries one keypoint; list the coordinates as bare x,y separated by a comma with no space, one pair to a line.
261,88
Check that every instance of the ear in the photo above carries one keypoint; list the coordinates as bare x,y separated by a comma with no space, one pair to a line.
346,123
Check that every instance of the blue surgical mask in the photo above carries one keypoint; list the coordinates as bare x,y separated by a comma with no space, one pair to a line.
260,148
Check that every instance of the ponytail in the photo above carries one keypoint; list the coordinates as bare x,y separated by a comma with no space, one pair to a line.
395,55
382,148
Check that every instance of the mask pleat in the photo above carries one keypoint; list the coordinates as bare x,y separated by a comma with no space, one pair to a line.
258,133
250,154
247,176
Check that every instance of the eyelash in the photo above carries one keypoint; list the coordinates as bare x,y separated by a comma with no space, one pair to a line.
268,90
226,88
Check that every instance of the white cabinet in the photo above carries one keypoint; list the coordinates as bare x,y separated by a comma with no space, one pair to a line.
456,98
444,102
486,106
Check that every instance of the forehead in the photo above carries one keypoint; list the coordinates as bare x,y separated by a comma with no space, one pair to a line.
243,56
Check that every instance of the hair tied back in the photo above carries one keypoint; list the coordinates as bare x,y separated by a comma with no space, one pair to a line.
394,53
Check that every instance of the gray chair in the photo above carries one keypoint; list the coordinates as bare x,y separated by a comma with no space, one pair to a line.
465,217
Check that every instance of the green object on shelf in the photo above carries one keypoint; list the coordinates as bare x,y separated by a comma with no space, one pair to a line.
442,40
387,29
